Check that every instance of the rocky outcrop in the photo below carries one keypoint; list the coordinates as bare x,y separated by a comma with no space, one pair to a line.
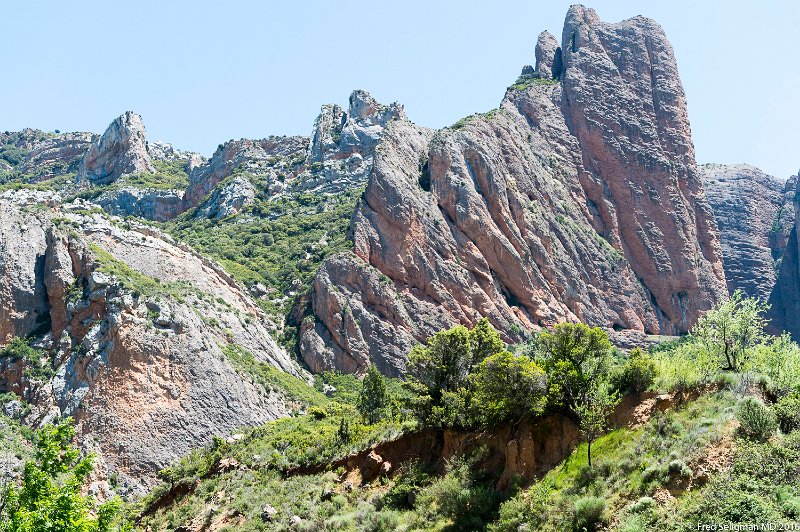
755,216
148,203
273,157
228,199
338,157
121,151
576,200
44,155
136,326
548,56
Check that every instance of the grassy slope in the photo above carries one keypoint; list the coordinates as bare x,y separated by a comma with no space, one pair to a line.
279,243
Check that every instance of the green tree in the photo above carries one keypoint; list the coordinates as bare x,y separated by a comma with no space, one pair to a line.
507,387
574,356
438,372
730,331
49,494
593,412
638,373
374,398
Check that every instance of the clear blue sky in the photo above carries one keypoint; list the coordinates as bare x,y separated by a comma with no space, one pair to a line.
201,73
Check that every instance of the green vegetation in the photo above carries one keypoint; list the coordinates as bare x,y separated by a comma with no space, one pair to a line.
273,379
168,175
48,496
279,243
37,364
374,397
717,454
756,420
528,80
463,378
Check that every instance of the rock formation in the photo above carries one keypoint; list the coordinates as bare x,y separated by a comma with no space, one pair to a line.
784,313
755,216
121,151
44,155
337,157
578,199
135,326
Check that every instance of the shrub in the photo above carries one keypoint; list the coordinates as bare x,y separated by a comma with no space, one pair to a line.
638,374
679,468
787,410
589,512
757,420
644,504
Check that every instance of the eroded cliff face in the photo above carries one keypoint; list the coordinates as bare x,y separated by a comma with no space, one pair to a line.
784,313
135,327
755,215
578,199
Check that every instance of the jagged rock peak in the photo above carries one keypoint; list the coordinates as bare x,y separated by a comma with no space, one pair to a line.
354,131
363,105
122,150
548,55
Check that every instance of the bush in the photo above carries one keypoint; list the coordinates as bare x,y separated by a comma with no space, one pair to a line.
680,469
638,374
757,420
643,505
589,512
787,410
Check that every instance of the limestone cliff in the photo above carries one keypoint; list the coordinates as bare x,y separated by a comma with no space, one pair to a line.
134,326
578,199
337,157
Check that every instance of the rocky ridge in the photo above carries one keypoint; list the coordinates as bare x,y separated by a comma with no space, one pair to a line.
578,199
135,327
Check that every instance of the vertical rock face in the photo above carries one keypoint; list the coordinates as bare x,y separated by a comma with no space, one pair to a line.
576,200
122,150
548,55
625,105
784,312
755,215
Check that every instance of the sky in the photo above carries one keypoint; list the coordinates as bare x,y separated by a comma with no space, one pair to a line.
201,73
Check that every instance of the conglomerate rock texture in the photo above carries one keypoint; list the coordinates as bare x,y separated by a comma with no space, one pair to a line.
784,312
134,325
578,199
755,216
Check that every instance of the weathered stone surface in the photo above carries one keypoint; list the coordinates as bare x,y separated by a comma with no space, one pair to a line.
268,157
784,312
141,369
228,199
338,157
46,155
625,105
576,200
755,216
150,204
548,56
121,151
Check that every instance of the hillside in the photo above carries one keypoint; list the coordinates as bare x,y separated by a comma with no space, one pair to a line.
545,316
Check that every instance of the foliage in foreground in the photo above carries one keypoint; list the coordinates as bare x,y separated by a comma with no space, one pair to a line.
48,496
